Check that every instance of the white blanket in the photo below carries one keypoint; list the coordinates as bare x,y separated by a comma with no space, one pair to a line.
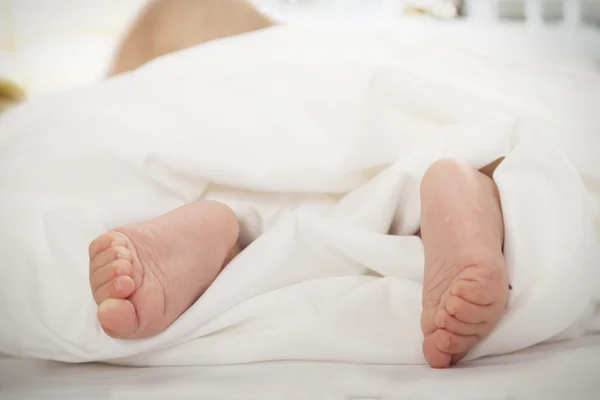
318,140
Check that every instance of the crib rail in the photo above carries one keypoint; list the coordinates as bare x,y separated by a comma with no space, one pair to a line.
570,14
535,13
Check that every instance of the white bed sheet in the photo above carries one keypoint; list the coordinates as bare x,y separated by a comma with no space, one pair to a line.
554,371
558,371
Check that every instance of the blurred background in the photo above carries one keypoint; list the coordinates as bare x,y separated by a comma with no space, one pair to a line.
48,45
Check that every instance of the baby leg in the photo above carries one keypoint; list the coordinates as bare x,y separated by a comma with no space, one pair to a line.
167,26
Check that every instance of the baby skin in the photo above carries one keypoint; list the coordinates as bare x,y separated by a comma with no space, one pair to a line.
144,276
465,287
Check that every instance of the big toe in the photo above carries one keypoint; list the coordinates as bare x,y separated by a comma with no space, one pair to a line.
435,358
117,317
441,348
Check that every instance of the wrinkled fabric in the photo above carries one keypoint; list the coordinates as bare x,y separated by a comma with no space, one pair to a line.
318,141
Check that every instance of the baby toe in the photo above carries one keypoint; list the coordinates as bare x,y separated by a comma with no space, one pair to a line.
480,293
435,358
467,312
98,245
109,255
450,343
107,272
117,317
443,320
118,288
104,242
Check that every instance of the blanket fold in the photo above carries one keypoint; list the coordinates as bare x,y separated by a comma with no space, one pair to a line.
318,141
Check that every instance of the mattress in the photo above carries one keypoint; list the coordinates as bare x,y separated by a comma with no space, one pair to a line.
553,371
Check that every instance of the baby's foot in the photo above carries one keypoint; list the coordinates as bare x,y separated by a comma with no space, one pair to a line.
466,284
144,276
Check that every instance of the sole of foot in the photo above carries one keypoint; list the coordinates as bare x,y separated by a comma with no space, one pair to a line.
466,282
144,276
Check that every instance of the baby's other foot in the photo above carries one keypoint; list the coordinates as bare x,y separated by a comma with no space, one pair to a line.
466,283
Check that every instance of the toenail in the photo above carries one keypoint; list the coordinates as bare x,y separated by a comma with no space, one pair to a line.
118,242
120,270
123,254
446,342
456,288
